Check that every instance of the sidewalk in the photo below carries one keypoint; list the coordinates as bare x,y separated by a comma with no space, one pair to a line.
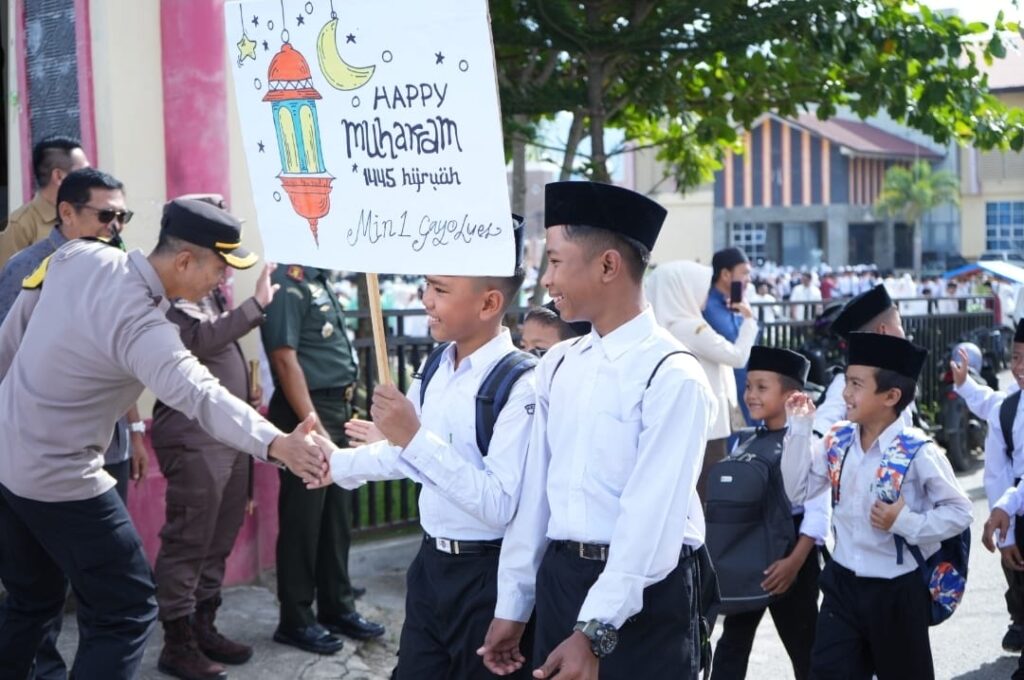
249,615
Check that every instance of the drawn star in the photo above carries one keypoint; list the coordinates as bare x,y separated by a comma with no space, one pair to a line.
266,47
255,21
350,38
246,49
440,58
355,167
300,20
260,144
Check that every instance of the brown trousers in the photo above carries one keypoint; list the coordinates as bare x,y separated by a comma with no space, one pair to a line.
206,495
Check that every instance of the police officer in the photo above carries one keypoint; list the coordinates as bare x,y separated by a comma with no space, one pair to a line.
59,513
314,370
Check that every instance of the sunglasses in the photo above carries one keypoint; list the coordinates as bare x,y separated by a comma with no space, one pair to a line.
106,215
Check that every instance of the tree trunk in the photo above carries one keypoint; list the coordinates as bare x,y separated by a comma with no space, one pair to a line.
916,235
568,159
596,66
519,165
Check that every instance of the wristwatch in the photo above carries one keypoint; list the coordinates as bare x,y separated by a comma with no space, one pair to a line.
603,637
138,426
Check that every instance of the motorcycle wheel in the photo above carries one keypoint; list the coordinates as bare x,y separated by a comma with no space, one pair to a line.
957,446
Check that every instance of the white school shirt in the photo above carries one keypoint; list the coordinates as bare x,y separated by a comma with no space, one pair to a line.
1000,471
936,507
465,496
611,462
833,409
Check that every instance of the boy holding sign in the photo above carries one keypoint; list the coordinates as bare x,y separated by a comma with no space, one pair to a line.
609,520
469,459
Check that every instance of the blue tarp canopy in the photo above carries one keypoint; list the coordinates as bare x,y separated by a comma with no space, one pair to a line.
1000,268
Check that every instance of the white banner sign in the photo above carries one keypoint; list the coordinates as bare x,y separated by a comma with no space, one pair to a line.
372,133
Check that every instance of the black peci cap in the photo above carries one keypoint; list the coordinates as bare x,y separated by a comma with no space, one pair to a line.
727,258
1018,335
886,351
782,361
200,222
859,311
604,206
519,238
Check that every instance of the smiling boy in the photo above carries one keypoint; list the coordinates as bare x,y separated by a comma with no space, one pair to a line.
876,609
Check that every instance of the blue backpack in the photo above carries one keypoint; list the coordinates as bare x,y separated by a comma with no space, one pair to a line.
494,390
945,572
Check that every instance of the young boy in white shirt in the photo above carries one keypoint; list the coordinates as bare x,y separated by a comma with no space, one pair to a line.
876,610
471,484
605,540
1004,468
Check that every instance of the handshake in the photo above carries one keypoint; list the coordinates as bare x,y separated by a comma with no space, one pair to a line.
307,452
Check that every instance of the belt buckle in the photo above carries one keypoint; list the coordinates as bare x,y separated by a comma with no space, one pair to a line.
447,546
350,392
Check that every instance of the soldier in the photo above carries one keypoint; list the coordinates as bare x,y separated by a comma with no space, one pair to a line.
314,371
59,513
207,482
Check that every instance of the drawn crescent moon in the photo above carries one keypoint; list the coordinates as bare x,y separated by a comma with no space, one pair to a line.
339,74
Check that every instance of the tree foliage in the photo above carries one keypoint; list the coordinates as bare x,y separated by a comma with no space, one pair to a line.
683,75
910,193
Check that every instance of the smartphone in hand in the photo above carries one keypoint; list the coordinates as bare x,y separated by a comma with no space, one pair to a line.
736,292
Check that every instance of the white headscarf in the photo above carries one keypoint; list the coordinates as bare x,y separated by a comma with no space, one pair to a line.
678,292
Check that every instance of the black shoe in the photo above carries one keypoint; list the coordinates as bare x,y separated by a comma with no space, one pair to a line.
1013,641
354,626
315,639
358,592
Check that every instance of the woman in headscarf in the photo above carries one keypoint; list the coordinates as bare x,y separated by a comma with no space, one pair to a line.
678,292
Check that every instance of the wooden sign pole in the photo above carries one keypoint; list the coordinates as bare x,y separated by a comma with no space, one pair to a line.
380,344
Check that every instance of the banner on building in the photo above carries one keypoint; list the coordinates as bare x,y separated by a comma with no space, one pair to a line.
372,134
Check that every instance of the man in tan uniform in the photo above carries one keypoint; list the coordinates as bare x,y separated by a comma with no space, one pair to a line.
52,160
59,512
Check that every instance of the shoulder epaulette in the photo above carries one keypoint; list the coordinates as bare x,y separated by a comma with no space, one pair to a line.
34,281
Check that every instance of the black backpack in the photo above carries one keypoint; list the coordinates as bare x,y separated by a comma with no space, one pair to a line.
749,526
494,390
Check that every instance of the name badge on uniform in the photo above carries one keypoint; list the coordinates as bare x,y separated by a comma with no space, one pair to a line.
328,329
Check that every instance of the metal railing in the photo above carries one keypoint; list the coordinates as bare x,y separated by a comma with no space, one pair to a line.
383,506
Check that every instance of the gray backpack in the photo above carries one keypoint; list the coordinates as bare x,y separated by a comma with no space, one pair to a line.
749,523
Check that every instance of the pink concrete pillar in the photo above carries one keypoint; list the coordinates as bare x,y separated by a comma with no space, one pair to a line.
195,96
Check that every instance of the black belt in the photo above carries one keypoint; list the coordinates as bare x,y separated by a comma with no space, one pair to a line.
347,392
598,552
453,547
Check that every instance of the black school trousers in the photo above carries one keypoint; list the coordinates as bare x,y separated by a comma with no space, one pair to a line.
795,615
660,642
872,626
449,604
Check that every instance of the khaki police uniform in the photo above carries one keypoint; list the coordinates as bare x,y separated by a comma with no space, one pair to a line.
31,223
312,554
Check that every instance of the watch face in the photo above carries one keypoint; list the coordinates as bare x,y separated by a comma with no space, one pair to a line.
607,641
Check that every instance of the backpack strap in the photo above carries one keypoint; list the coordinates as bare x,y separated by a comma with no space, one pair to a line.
1007,413
495,391
430,367
663,360
837,445
892,472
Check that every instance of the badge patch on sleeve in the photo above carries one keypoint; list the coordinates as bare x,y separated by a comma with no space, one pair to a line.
294,272
530,408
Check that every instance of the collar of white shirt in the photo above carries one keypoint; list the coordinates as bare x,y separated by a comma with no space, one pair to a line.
627,336
885,438
483,358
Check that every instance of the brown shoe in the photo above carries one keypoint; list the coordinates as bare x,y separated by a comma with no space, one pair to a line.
211,642
181,656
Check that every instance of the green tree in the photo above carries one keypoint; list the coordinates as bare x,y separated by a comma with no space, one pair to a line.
683,75
911,193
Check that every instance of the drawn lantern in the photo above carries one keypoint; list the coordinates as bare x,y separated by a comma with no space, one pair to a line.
303,175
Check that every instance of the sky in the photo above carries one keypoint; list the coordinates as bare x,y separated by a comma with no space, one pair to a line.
978,10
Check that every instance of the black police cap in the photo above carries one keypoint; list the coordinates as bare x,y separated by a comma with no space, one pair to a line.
203,224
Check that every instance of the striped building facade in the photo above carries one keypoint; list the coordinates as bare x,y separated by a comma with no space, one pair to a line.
803,190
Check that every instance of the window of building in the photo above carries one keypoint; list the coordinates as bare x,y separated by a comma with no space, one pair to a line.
750,237
1004,225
